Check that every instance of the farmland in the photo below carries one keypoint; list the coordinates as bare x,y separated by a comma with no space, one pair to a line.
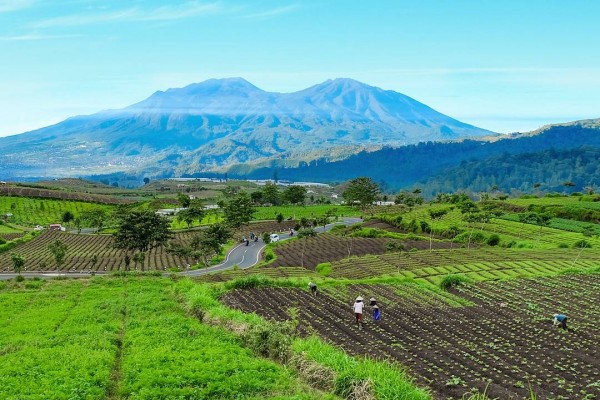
124,338
35,211
496,337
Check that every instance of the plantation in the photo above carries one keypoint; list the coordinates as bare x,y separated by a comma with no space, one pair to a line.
35,211
496,338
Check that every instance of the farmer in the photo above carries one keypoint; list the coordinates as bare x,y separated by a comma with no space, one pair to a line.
562,320
358,311
375,307
313,288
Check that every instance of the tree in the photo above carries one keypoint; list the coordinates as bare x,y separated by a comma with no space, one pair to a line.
361,190
184,200
205,245
138,258
194,212
18,262
146,181
59,251
305,234
271,194
435,215
238,211
409,199
94,260
141,231
295,194
279,218
67,217
257,196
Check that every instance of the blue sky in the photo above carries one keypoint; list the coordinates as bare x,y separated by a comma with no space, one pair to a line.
501,65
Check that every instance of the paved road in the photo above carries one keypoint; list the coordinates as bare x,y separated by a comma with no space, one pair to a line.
243,256
247,256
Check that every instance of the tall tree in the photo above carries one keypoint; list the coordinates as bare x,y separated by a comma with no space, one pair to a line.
67,217
362,190
238,211
18,262
59,251
271,194
295,194
94,218
204,245
141,231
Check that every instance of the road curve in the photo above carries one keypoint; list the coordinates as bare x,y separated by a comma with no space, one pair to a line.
243,256
247,256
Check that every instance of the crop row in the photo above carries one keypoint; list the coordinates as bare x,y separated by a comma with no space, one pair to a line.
502,263
28,192
500,344
81,250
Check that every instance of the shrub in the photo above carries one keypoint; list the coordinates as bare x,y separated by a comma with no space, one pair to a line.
563,246
452,280
272,340
19,278
493,240
581,244
269,255
249,282
324,268
2,241
394,245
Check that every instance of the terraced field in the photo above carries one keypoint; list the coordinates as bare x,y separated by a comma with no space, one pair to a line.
480,264
493,337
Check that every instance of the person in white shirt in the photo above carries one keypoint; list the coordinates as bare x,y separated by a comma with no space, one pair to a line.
358,311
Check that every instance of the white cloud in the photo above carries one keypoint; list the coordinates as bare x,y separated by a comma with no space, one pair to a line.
34,37
13,5
136,14
271,13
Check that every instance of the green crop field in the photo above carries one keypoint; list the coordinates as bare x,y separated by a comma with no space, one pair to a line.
123,338
309,211
32,211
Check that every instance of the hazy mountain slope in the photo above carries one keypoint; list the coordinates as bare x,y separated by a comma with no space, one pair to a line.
224,121
409,165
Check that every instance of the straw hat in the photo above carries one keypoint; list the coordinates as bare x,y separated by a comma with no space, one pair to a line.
359,298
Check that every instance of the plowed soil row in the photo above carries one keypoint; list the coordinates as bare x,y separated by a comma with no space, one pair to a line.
81,249
61,195
504,342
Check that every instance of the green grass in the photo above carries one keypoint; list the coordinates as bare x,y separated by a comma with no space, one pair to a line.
124,338
309,211
8,229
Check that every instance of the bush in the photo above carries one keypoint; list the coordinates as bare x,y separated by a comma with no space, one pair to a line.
2,241
269,255
324,268
394,245
582,244
272,340
493,240
19,278
249,282
452,280
563,246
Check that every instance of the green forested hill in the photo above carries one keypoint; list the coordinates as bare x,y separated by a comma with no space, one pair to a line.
517,161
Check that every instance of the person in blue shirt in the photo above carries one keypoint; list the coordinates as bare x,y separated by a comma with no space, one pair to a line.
376,310
562,320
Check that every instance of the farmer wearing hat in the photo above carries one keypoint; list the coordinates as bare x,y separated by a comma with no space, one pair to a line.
562,320
375,307
313,288
358,311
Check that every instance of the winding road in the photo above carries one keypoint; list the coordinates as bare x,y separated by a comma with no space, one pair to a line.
243,256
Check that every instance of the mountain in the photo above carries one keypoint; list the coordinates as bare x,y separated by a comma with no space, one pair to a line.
550,155
220,122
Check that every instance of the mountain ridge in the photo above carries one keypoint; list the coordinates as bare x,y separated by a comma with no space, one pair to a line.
220,122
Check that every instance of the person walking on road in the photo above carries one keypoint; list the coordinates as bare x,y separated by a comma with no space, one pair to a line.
562,320
358,311
375,307
313,288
